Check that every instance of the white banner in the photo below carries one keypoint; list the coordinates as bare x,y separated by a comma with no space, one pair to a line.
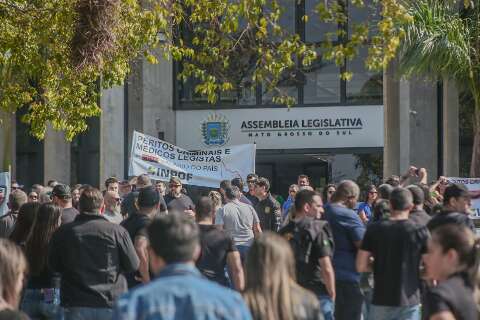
4,192
162,160
473,186
283,128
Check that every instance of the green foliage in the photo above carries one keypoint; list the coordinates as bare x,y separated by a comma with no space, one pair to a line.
37,71
56,54
442,41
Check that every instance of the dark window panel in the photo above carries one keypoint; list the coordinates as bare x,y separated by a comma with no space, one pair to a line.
365,85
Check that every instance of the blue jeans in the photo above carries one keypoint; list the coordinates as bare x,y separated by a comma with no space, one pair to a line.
394,313
34,305
327,306
84,313
243,250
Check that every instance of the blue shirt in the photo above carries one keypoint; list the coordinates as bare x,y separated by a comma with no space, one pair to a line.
286,206
347,228
180,292
365,207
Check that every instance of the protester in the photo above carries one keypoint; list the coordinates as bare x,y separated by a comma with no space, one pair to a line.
303,180
46,195
289,203
239,220
76,195
251,194
124,188
179,291
224,184
178,201
328,192
365,208
396,246
24,223
128,206
39,300
271,292
15,186
312,243
381,210
216,199
161,188
112,207
217,249
13,267
37,188
148,204
348,231
238,182
384,191
62,197
33,196
91,254
111,184
452,260
15,200
456,208
417,214
267,208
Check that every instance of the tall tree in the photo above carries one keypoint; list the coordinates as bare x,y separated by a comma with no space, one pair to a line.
56,54
443,41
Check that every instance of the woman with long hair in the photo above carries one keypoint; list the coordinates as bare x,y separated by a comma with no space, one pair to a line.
365,209
453,261
271,291
40,300
328,192
13,267
23,225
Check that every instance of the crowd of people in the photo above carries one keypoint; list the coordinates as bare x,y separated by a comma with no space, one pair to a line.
143,249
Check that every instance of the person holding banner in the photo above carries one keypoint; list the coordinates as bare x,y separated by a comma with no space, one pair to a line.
178,201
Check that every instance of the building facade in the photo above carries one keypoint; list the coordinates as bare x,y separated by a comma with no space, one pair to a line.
334,125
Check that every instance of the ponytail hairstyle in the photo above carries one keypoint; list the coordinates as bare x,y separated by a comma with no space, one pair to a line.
461,239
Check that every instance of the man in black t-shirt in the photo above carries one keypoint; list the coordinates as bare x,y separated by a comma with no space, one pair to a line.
418,215
456,208
148,203
312,244
396,246
128,206
217,249
177,201
62,197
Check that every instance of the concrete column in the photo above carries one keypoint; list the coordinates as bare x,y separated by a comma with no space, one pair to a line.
451,131
112,133
158,114
56,156
396,100
423,111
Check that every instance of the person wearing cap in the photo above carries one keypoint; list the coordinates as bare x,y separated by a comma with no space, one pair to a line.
456,208
148,204
178,201
92,255
267,208
417,214
128,206
15,200
62,197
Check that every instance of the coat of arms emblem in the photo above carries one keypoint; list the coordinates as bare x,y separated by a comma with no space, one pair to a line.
215,130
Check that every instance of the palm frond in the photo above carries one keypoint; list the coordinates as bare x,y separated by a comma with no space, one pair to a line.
436,42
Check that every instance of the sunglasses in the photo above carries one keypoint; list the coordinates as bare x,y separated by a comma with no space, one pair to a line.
33,197
118,199
175,185
331,191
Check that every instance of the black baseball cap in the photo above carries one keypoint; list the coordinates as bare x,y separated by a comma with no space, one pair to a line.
61,191
148,197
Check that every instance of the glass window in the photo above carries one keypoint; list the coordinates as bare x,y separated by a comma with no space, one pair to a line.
242,96
315,29
322,82
370,13
365,86
267,97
